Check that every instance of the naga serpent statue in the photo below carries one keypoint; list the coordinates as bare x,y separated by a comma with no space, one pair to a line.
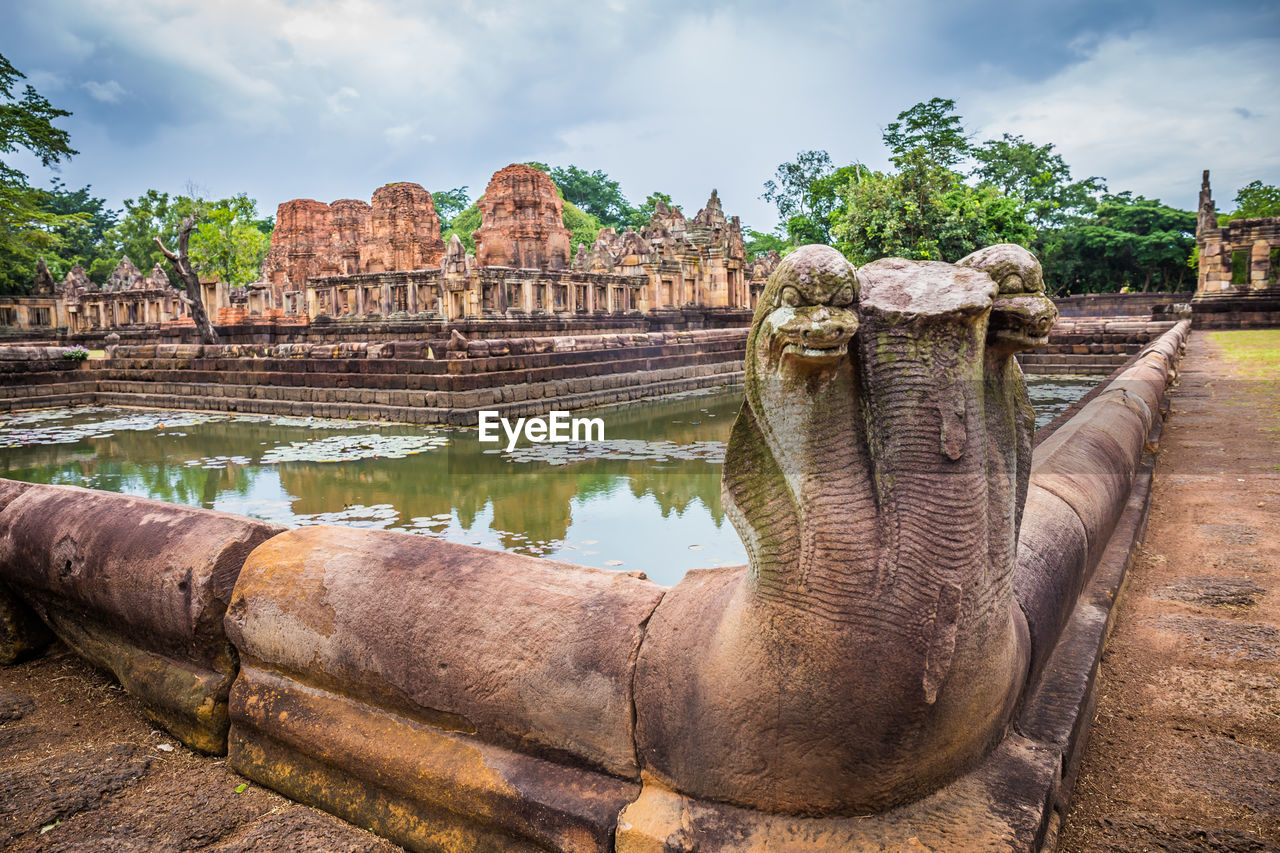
872,650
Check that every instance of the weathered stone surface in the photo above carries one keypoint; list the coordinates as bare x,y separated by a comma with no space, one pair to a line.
522,222
487,695
124,277
861,486
1004,805
399,231
1090,461
43,284
139,588
1053,553
402,231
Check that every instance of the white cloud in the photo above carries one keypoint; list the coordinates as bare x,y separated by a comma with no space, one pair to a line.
330,98
1145,112
340,101
109,92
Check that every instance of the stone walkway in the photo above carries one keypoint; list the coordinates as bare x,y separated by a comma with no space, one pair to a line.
1185,749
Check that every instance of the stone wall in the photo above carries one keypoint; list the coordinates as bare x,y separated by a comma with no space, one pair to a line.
410,381
399,230
1117,304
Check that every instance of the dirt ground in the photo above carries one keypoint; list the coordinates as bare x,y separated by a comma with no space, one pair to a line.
1185,749
82,770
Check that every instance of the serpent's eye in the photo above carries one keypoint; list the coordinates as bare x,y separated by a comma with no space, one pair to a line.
791,297
1012,284
843,297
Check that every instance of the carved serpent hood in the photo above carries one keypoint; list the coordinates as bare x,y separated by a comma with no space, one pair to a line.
872,649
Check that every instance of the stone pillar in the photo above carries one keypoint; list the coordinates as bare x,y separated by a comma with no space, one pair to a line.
1259,260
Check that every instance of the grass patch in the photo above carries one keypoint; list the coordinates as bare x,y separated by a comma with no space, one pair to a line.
1254,352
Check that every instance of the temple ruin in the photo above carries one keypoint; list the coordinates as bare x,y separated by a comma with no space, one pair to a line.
1242,256
352,260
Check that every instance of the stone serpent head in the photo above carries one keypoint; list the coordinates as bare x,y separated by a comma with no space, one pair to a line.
1022,314
806,314
872,649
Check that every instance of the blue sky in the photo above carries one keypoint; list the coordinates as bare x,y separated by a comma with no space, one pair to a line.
333,98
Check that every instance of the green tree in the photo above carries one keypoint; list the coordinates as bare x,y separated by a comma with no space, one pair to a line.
595,193
761,243
228,243
150,215
1037,177
807,193
464,224
931,128
584,227
1129,242
449,203
791,192
926,212
27,227
86,221
1256,200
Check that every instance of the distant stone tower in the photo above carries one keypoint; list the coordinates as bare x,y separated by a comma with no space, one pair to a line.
522,222
402,231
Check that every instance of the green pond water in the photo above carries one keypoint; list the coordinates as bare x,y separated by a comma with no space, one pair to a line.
647,498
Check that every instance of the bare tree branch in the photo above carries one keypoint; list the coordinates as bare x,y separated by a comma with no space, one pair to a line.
191,281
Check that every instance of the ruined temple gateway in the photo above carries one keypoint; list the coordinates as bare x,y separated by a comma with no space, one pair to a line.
1241,257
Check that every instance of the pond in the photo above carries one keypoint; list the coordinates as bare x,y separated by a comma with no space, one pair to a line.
647,498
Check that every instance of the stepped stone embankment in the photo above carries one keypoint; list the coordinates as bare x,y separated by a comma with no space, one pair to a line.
433,381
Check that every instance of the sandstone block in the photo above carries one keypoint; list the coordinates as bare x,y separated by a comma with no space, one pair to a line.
474,691
139,588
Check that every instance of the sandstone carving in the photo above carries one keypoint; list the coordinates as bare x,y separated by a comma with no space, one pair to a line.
398,231
522,222
872,650
403,231
139,588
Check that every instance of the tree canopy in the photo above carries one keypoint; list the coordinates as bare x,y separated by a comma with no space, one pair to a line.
927,206
1129,242
1256,200
449,203
28,227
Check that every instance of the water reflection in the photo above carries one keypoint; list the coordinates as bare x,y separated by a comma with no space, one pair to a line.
646,499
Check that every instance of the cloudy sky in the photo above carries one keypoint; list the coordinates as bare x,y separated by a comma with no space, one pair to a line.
329,99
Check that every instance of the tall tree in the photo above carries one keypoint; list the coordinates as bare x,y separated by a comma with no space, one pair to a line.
86,221
1129,242
449,203
790,188
152,214
228,243
924,211
27,227
932,128
1037,177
